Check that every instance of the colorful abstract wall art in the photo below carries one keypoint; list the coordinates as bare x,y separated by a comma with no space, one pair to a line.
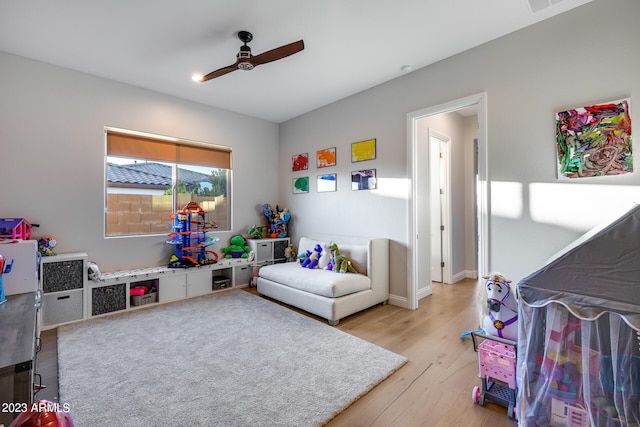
363,180
300,162
363,150
326,183
300,185
326,157
594,140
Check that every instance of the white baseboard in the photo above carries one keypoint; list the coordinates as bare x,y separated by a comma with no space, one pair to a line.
466,274
404,302
399,301
424,292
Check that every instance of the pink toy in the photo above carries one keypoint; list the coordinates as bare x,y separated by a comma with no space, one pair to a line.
15,228
497,364
501,318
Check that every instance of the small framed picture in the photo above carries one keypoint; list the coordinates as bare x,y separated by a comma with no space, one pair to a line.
326,182
300,162
363,179
300,185
326,157
363,150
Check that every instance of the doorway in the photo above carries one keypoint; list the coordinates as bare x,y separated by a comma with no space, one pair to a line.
420,228
439,198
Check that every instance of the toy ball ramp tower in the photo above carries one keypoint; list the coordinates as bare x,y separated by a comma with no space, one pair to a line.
189,235
579,339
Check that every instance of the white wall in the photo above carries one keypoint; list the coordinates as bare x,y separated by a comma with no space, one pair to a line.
52,157
587,55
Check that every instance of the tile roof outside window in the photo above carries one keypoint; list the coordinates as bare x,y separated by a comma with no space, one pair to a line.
148,173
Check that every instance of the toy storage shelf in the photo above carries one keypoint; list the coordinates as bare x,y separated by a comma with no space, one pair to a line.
112,292
269,251
63,280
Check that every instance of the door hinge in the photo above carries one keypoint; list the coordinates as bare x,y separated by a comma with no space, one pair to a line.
442,228
442,264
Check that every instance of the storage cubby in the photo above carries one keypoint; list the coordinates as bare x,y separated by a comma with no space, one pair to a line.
107,299
150,292
242,275
63,279
62,307
269,251
112,292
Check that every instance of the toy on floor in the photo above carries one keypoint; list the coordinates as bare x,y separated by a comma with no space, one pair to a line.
237,249
501,317
497,364
4,269
339,263
312,258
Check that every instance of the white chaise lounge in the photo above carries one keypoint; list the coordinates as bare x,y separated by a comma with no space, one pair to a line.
328,294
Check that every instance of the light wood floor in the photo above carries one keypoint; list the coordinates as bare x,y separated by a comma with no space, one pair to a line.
432,389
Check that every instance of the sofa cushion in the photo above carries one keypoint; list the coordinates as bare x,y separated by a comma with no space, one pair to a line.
320,282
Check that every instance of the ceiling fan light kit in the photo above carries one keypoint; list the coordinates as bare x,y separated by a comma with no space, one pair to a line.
246,61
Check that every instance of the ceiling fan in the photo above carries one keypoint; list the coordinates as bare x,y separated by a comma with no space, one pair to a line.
246,61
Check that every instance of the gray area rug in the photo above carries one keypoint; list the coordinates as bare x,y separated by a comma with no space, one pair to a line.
226,359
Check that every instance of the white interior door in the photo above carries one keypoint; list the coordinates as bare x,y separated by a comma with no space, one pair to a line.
439,191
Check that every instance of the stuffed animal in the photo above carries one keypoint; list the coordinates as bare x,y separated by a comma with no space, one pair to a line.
290,253
313,258
93,272
237,249
281,221
276,221
500,307
339,263
256,232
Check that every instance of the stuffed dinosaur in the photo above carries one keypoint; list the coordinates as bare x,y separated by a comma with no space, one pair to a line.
339,263
312,258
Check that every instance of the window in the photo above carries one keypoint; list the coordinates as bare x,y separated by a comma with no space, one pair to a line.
149,178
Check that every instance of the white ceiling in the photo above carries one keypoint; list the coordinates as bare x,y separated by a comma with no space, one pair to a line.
350,45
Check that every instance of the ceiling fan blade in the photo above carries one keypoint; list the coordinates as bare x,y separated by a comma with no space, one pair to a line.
277,53
219,72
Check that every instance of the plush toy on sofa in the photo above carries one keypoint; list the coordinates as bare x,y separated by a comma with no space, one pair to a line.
312,259
290,253
237,249
339,263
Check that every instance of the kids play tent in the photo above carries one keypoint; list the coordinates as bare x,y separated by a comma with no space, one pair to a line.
579,332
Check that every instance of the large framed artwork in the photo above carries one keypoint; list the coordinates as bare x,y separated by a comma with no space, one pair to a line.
363,150
594,140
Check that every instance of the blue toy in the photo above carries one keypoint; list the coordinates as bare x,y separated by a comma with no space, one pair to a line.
189,235
312,258
4,269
